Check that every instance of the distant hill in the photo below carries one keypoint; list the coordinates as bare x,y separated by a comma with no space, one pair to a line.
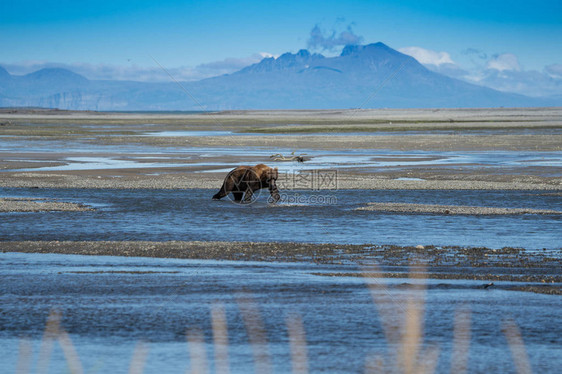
4,76
362,76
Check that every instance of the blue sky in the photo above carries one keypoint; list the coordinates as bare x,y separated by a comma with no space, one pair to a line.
195,39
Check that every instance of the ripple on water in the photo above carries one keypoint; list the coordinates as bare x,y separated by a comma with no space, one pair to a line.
305,216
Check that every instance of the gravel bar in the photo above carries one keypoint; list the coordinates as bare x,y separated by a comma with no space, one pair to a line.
510,264
451,209
39,205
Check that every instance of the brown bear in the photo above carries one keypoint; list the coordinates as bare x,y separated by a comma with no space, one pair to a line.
245,180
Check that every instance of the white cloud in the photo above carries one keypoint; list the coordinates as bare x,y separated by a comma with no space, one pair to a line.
142,73
503,72
427,56
499,71
554,70
526,82
230,65
503,62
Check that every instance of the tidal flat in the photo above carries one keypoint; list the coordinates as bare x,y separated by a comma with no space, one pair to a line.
107,220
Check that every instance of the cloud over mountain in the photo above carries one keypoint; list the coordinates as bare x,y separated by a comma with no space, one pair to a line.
554,70
427,56
500,71
319,39
133,72
440,62
362,76
504,61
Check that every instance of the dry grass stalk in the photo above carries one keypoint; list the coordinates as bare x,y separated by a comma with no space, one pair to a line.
461,341
139,358
297,344
70,354
256,333
378,292
24,356
54,332
380,295
220,338
47,342
413,325
405,340
517,347
407,336
428,361
197,352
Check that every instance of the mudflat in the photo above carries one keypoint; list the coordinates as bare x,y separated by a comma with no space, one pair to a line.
191,150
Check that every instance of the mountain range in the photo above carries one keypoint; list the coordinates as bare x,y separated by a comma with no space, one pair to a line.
362,76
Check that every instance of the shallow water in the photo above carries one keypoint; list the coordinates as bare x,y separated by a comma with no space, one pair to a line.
195,133
84,155
109,304
131,158
302,216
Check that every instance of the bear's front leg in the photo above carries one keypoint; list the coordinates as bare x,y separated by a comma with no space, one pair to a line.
274,192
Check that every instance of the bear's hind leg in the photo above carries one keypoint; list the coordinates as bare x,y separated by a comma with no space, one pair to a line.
219,195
